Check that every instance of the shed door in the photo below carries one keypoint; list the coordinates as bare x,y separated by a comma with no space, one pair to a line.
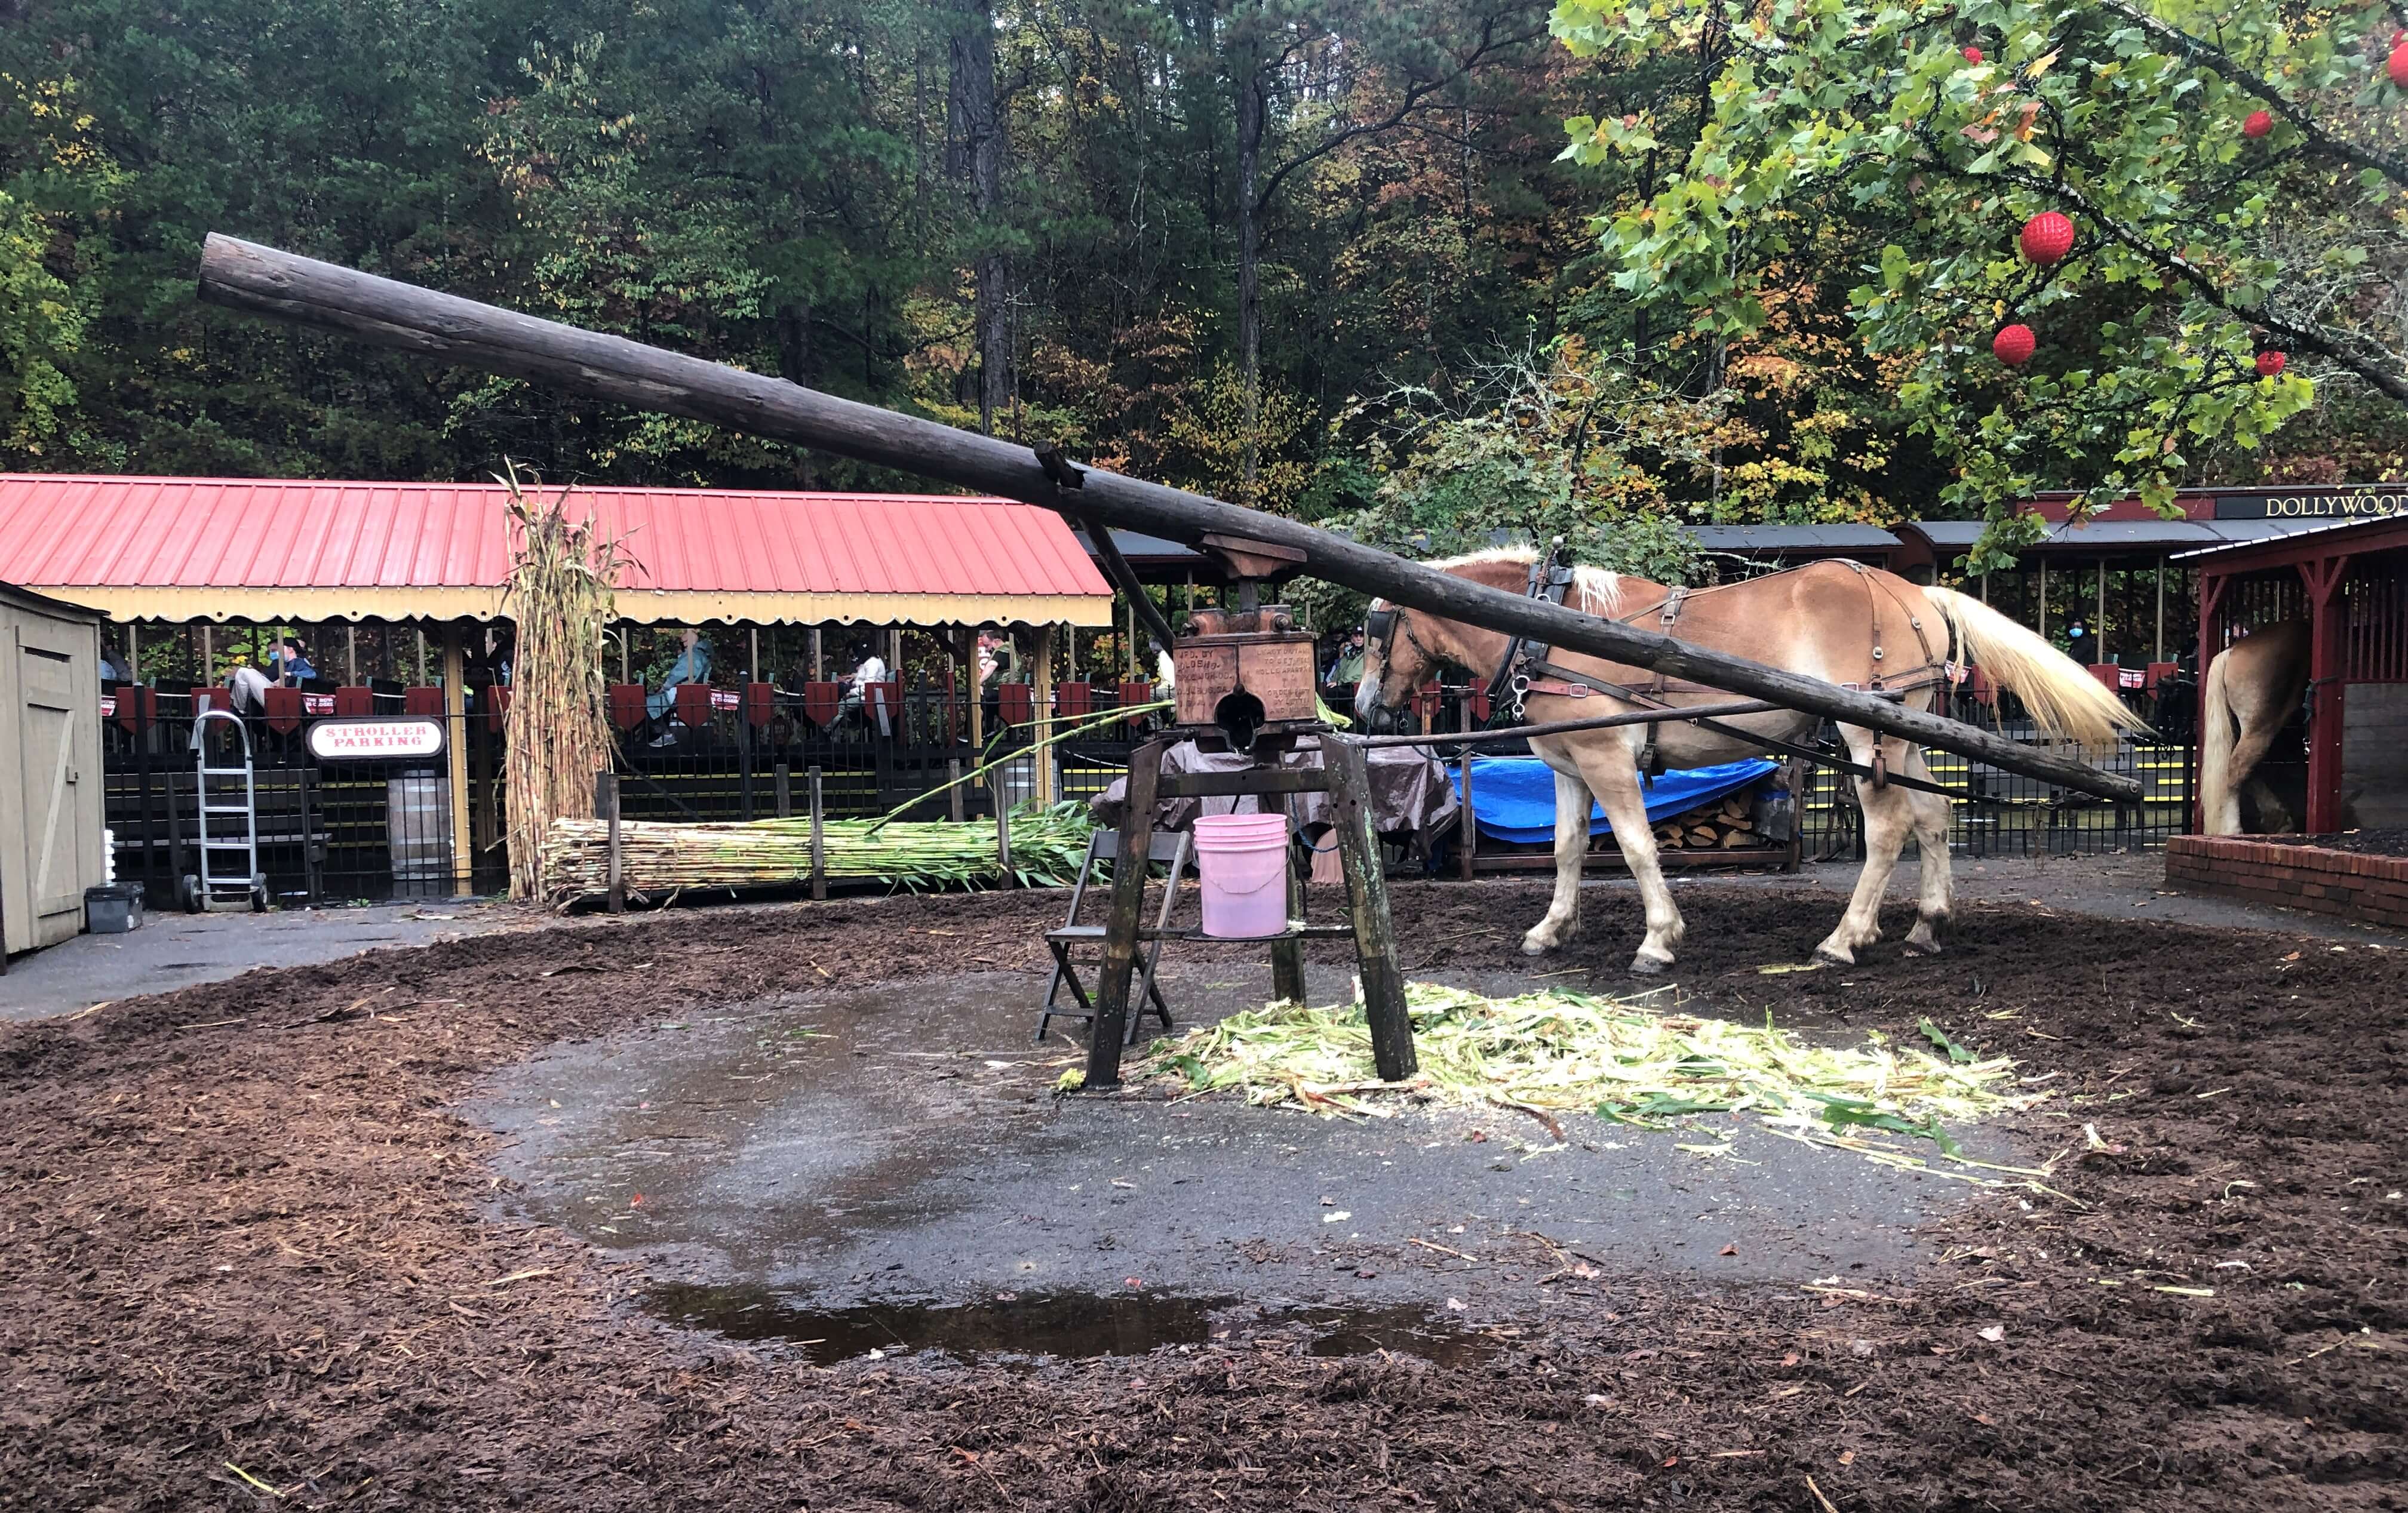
50,874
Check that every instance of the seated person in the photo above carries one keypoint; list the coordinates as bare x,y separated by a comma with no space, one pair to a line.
288,665
869,667
693,665
1346,668
247,689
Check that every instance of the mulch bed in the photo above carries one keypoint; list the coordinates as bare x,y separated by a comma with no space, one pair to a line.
242,1228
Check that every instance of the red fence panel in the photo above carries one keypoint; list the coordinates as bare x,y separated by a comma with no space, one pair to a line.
821,702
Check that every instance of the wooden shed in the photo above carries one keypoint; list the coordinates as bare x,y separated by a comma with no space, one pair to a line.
49,767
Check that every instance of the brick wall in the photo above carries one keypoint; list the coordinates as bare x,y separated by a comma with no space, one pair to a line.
2258,870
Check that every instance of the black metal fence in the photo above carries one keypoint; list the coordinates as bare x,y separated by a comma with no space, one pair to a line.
344,829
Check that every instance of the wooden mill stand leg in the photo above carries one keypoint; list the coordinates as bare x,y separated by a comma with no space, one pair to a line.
1125,918
1342,776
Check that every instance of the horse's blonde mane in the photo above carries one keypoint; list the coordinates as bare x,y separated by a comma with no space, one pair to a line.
1600,589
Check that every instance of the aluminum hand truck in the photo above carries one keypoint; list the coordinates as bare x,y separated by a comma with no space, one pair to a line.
219,886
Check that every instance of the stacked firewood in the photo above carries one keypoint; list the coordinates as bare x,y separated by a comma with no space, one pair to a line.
1726,824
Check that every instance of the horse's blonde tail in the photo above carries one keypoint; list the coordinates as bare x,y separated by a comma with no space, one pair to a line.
2062,697
2219,797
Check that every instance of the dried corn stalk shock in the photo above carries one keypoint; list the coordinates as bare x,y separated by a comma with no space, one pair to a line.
1622,1057
559,597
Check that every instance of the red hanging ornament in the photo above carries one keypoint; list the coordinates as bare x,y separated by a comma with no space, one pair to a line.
2270,363
2258,125
2014,345
2398,67
1972,54
2047,237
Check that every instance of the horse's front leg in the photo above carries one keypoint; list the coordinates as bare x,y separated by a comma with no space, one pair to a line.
1562,920
1612,771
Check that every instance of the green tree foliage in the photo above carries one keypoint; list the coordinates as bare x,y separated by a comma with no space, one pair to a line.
1054,218
54,193
2197,246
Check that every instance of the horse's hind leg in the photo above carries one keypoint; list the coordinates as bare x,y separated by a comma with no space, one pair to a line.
1931,821
1888,820
1562,920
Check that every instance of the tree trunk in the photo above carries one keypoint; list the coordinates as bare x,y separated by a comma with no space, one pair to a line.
1246,67
979,143
794,343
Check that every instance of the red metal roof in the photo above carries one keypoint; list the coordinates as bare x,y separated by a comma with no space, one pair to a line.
62,533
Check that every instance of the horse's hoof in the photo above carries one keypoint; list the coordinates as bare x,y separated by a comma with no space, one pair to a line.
1645,965
1533,946
1921,947
1830,957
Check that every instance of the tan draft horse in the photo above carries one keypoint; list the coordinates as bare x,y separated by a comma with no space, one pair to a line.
1839,621
2250,693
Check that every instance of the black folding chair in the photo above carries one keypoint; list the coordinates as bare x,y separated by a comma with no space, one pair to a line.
1105,846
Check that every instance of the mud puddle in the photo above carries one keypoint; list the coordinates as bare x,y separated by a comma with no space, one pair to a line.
1066,1326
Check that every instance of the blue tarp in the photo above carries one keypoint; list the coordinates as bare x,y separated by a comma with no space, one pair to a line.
1515,797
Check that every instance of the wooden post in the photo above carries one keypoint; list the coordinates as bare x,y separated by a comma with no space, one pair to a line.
2099,631
954,785
978,701
1040,697
606,808
1002,826
134,673
755,675
1466,838
819,839
2159,654
627,663
818,662
1287,953
2042,626
785,790
1366,893
210,658
2328,637
1125,917
351,655
1986,587
455,717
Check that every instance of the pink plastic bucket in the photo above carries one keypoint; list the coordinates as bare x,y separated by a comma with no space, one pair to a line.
1241,871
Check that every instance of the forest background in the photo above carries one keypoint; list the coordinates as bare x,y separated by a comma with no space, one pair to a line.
1331,258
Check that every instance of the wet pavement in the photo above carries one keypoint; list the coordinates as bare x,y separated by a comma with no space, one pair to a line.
892,1165
174,950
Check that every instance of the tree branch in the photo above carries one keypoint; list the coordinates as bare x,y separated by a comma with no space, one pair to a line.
2225,64
2300,338
1416,95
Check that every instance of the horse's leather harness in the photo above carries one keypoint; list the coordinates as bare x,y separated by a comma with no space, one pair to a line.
1526,668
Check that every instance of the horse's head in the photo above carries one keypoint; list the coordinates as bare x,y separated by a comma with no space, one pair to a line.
1395,662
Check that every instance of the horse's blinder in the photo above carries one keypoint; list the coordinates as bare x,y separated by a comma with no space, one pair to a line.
1379,631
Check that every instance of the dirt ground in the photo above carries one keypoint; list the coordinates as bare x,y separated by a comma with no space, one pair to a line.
250,1260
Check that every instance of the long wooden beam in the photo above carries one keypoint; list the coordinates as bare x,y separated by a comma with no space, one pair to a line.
443,327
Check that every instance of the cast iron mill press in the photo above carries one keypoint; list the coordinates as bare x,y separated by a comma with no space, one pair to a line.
1245,682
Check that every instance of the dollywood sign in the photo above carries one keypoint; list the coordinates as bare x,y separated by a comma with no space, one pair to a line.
2373,502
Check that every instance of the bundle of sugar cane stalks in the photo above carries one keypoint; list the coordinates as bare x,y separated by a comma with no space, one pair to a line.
660,860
